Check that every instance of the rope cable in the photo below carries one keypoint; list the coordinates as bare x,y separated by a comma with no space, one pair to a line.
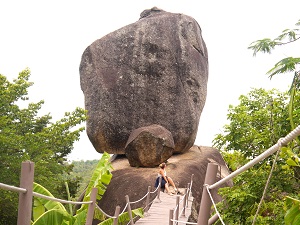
268,180
213,202
113,217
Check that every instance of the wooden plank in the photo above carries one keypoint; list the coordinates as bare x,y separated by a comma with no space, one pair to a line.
159,211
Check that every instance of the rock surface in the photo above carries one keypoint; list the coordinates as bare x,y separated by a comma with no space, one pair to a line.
149,146
153,71
134,182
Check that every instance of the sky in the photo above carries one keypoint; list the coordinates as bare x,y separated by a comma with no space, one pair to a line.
49,38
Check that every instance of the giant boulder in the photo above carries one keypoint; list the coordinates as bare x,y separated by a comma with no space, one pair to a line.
153,71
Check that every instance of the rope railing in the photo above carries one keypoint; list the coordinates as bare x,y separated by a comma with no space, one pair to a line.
142,198
60,200
125,207
148,203
27,169
176,213
281,142
284,141
105,214
12,188
214,204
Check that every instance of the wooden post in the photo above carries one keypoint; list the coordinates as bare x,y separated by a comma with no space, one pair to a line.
129,209
148,199
177,211
191,185
159,189
171,216
117,212
205,205
184,202
188,194
25,199
91,209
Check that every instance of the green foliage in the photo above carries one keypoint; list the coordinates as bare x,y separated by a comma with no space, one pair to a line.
266,45
54,213
286,65
124,217
51,212
83,169
101,177
240,202
292,216
234,159
255,125
26,135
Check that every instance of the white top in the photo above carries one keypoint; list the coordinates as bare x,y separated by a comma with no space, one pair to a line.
165,173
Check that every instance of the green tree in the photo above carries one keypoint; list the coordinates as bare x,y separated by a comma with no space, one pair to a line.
25,135
289,64
256,124
84,170
286,65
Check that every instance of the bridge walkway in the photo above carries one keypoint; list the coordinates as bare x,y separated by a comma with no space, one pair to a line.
160,210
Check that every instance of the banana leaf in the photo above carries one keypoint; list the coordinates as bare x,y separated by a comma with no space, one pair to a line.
292,216
101,177
54,217
124,217
80,218
41,205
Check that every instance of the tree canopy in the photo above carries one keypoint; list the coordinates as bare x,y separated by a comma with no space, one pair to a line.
256,124
261,118
26,135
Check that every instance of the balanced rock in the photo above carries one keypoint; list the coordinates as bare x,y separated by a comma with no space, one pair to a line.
153,71
134,181
149,146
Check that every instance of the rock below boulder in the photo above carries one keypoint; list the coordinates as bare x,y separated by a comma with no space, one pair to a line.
149,146
153,71
134,182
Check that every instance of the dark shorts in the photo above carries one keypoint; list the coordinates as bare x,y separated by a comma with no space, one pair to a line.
163,182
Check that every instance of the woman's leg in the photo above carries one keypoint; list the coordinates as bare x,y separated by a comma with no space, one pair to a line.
172,183
167,188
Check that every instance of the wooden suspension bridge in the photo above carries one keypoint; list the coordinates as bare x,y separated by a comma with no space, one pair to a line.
159,212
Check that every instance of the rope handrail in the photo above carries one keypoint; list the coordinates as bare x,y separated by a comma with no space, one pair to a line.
113,217
124,208
146,194
140,199
183,197
214,204
275,148
59,200
268,181
23,190
152,192
284,141
12,188
175,209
